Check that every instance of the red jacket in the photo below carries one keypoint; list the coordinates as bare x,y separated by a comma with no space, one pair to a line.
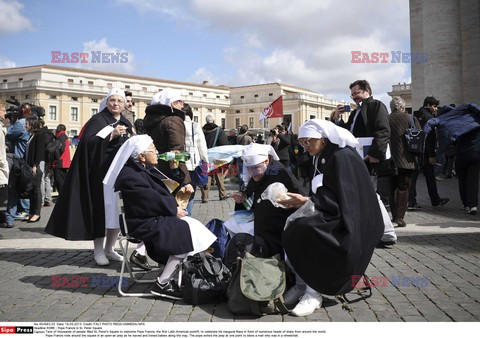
64,161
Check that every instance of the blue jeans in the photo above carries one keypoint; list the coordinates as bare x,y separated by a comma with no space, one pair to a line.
12,204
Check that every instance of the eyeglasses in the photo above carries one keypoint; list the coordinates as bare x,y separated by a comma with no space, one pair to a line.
305,142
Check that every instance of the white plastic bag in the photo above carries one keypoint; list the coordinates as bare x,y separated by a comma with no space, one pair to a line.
275,192
308,209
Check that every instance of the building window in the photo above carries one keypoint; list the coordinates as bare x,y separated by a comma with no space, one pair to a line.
94,111
195,108
237,122
74,114
90,83
5,80
252,110
204,95
218,96
209,110
52,113
223,111
190,93
95,100
195,119
73,132
242,97
74,98
237,111
127,87
27,97
70,80
144,89
12,97
270,94
109,85
52,97
223,123
256,95
20,79
250,122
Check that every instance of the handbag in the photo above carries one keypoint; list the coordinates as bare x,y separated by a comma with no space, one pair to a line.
205,279
414,138
198,176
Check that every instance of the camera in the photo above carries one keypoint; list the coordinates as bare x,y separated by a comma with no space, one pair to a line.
15,110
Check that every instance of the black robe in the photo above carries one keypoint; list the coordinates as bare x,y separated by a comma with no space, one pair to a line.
151,212
79,213
326,249
269,220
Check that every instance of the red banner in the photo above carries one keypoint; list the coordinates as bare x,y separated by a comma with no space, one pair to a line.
275,109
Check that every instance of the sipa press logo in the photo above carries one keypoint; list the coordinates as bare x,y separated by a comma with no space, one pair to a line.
92,57
16,329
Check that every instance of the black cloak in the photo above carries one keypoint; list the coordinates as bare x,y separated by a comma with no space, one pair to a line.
79,213
151,212
337,242
269,220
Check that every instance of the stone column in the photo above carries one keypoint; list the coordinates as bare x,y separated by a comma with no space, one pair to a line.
443,44
416,47
470,28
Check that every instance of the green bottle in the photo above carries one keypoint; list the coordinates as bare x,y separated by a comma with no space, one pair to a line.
180,157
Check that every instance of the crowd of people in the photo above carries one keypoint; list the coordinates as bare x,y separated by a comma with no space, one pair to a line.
320,167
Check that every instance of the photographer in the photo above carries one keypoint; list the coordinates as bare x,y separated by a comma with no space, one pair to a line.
18,137
281,143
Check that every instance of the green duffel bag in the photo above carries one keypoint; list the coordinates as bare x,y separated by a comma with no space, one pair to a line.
257,286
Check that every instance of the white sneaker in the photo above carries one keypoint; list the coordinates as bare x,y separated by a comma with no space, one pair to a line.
113,256
307,305
473,211
101,259
293,294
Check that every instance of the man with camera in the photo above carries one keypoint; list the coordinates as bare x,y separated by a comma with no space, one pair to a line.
18,136
370,119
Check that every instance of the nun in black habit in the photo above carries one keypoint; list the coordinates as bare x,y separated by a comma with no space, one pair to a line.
79,213
262,164
152,213
337,241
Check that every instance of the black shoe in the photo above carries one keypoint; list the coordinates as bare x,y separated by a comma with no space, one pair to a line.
227,196
414,207
140,261
400,222
168,290
385,244
441,202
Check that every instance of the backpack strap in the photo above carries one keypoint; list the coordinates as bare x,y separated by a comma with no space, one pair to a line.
193,142
216,137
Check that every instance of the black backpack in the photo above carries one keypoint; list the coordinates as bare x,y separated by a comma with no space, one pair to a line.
53,151
241,243
203,279
21,177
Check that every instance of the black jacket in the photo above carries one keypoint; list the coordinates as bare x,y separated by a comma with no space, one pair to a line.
374,116
210,131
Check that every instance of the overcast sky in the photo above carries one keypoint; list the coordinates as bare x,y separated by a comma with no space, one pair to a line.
305,43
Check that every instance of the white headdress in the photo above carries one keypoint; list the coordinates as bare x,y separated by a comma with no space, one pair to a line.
256,153
113,91
166,97
317,128
132,147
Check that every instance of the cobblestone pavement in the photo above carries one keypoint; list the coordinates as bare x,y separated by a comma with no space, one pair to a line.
440,246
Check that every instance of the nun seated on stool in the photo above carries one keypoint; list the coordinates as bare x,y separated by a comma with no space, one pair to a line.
152,213
336,242
262,165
